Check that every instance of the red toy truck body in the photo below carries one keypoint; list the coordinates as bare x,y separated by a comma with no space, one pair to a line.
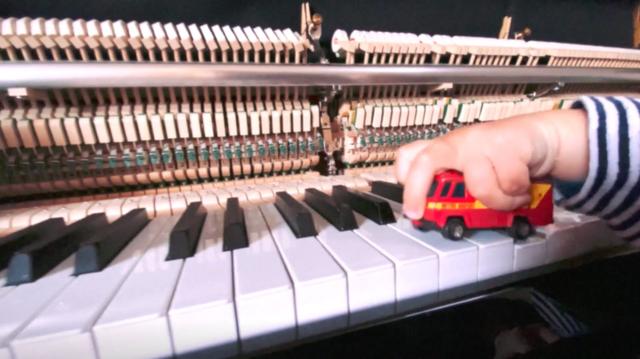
451,209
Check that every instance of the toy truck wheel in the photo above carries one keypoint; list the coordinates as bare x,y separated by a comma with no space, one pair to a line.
422,227
454,229
520,228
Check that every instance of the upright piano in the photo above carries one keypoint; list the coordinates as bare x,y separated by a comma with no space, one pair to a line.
178,189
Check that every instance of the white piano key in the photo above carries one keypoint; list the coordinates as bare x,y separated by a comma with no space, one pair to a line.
191,196
98,207
63,327
222,196
263,291
458,260
529,253
266,192
20,305
134,324
320,285
209,198
6,216
370,276
149,204
131,203
78,211
592,232
236,192
61,211
178,202
495,255
325,186
113,208
416,267
252,193
562,242
23,219
202,313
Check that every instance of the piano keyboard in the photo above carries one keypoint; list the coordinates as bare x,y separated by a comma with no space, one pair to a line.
146,297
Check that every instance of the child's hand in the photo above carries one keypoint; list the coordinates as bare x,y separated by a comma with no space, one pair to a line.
498,158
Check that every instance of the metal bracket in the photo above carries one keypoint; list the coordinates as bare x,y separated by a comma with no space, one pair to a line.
551,89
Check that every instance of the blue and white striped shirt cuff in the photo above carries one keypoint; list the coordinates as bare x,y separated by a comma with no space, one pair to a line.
612,188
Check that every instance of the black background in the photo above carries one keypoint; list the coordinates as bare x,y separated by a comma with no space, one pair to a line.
587,21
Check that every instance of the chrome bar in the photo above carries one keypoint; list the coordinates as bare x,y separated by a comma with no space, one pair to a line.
79,75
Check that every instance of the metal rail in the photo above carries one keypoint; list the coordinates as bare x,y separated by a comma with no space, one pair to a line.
85,75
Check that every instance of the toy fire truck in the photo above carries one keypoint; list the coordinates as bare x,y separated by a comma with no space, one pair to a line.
451,209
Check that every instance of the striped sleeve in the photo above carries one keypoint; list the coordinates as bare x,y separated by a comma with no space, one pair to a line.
612,188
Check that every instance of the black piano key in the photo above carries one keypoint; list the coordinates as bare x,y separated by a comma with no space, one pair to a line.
185,234
234,233
388,190
33,261
296,215
339,215
95,253
14,241
374,208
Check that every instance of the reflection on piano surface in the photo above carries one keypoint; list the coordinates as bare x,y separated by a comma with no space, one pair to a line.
151,222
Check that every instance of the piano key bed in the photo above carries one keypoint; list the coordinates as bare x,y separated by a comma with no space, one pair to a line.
181,285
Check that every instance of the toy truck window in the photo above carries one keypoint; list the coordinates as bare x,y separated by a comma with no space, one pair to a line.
458,190
445,189
432,190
